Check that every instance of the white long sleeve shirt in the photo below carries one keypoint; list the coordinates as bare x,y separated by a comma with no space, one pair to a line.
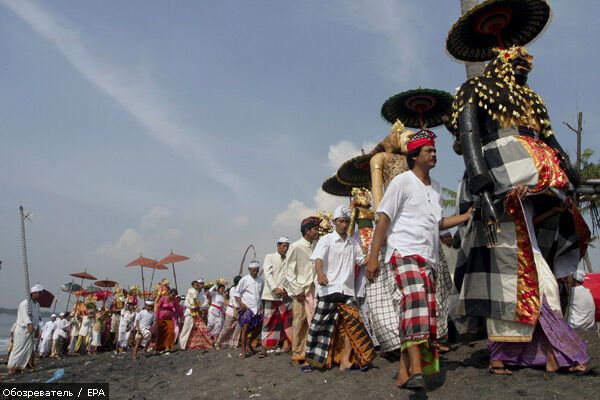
274,275
23,317
300,270
339,257
47,330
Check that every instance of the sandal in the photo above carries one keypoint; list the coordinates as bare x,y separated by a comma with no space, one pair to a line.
262,354
499,371
295,363
416,382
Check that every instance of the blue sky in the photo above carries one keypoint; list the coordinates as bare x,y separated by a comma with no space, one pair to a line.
205,126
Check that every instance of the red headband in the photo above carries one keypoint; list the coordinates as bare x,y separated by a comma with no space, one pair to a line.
422,138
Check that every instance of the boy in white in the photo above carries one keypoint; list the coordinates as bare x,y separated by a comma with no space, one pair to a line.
335,256
46,342
143,322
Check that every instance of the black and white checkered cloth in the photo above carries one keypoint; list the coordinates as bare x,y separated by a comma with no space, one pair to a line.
383,298
322,330
443,289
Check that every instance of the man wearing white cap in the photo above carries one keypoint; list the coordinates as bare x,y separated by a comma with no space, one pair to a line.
277,320
248,296
337,312
143,322
55,331
46,342
25,330
582,309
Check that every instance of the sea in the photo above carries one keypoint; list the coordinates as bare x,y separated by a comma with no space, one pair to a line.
6,322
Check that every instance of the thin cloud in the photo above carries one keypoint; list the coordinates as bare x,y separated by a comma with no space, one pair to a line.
137,96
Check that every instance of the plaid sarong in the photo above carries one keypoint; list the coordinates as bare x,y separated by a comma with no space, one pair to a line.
323,329
413,277
383,298
277,324
486,280
230,334
443,289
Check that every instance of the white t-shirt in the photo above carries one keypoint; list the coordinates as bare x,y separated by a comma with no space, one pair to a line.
339,257
63,329
415,211
232,302
250,290
581,314
56,329
145,319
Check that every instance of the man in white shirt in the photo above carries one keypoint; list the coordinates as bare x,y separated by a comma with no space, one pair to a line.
46,342
299,284
336,256
126,325
191,303
248,295
28,317
410,217
277,321
143,322
63,330
55,331
581,314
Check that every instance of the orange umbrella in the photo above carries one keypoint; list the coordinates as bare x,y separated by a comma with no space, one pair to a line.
172,258
83,275
142,262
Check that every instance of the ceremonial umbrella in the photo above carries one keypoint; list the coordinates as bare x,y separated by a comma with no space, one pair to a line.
105,283
173,258
92,289
356,172
45,299
84,276
418,108
333,186
142,262
496,24
70,287
592,282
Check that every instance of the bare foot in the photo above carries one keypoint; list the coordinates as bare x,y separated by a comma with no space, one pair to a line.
497,367
578,368
551,364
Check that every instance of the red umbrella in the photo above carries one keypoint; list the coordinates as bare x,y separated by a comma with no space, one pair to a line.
83,275
172,258
592,282
142,262
45,299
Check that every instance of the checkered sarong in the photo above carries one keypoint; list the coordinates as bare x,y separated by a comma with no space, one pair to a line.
414,279
231,332
277,324
383,298
443,289
321,331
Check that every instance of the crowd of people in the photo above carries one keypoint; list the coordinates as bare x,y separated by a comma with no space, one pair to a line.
322,299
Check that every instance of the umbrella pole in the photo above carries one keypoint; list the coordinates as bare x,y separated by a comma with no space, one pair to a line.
55,303
143,286
175,276
152,279
69,298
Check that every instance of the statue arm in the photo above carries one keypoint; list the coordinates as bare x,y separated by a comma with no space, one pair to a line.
376,164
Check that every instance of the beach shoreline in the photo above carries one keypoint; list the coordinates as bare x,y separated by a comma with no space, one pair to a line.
221,374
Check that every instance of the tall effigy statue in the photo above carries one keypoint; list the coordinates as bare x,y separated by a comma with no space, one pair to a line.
525,231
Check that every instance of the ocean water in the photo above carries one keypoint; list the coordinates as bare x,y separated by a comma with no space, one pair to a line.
6,322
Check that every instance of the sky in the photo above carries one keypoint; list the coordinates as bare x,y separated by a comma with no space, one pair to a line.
202,127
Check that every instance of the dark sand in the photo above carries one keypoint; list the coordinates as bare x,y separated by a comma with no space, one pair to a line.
222,375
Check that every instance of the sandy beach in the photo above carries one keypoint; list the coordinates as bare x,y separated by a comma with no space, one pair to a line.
221,374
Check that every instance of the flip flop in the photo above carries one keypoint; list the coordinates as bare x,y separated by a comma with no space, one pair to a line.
357,368
306,368
416,382
500,371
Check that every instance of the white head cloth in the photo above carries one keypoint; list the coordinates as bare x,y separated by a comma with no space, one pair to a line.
341,212
53,316
149,302
37,288
200,280
283,239
254,264
62,314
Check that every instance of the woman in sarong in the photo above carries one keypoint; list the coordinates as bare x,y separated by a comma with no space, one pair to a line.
167,308
230,334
